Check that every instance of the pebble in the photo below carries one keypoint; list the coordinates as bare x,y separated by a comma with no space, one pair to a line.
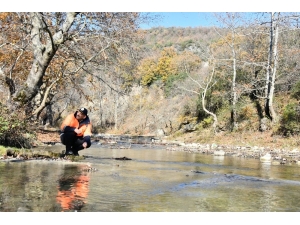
278,156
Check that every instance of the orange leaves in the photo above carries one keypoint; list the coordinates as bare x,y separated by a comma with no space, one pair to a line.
14,55
126,63
3,15
168,52
187,62
165,67
168,64
146,71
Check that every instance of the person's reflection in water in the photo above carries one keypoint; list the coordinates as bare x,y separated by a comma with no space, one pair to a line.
73,189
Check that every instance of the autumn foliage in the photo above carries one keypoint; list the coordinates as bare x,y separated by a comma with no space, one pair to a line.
140,81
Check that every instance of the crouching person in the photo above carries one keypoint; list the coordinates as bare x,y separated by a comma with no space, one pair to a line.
76,131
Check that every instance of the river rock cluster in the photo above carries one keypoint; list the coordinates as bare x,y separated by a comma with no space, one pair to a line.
276,156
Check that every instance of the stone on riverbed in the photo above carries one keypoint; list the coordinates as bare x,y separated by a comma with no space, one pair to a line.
219,152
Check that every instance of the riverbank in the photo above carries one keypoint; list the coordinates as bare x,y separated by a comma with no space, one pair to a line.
247,139
257,145
262,146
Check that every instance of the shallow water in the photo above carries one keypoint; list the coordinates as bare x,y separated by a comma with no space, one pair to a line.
155,180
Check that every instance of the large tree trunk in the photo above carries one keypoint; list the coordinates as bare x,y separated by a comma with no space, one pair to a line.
203,95
233,92
272,86
271,72
269,69
43,53
116,117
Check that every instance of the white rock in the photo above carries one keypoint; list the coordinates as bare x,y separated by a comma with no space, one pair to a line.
266,158
219,152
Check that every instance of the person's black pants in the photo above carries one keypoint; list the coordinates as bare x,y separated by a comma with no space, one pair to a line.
72,142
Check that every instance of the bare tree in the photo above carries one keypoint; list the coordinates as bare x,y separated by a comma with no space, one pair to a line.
65,45
271,71
204,82
233,23
276,24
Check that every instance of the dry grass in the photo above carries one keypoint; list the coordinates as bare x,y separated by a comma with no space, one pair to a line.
48,137
260,139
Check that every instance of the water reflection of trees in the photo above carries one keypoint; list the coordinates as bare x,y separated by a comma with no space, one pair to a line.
35,186
28,186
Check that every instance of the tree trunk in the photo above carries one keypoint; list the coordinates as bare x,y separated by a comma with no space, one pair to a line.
272,86
43,54
203,95
215,124
116,118
234,94
271,72
233,83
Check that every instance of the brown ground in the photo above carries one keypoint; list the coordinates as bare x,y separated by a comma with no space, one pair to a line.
280,147
259,139
44,136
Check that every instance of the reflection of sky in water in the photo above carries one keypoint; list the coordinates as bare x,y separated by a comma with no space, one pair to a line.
218,158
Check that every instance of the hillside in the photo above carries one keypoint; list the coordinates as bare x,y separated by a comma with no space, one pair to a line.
178,117
158,92
235,83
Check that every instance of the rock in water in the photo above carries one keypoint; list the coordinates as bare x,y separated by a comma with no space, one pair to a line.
266,158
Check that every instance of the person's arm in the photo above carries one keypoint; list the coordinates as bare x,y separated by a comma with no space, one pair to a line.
87,141
79,131
69,129
65,126
87,136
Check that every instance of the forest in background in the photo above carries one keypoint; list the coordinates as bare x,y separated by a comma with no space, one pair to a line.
239,78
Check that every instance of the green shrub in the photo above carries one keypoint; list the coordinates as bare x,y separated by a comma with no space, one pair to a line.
14,130
171,80
186,44
290,120
2,150
207,122
296,91
213,103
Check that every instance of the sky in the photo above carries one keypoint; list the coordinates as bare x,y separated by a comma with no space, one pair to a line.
185,13
149,6
180,19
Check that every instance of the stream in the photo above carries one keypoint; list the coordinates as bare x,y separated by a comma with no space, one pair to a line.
153,180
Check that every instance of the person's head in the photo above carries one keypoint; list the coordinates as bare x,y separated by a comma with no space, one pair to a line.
81,113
